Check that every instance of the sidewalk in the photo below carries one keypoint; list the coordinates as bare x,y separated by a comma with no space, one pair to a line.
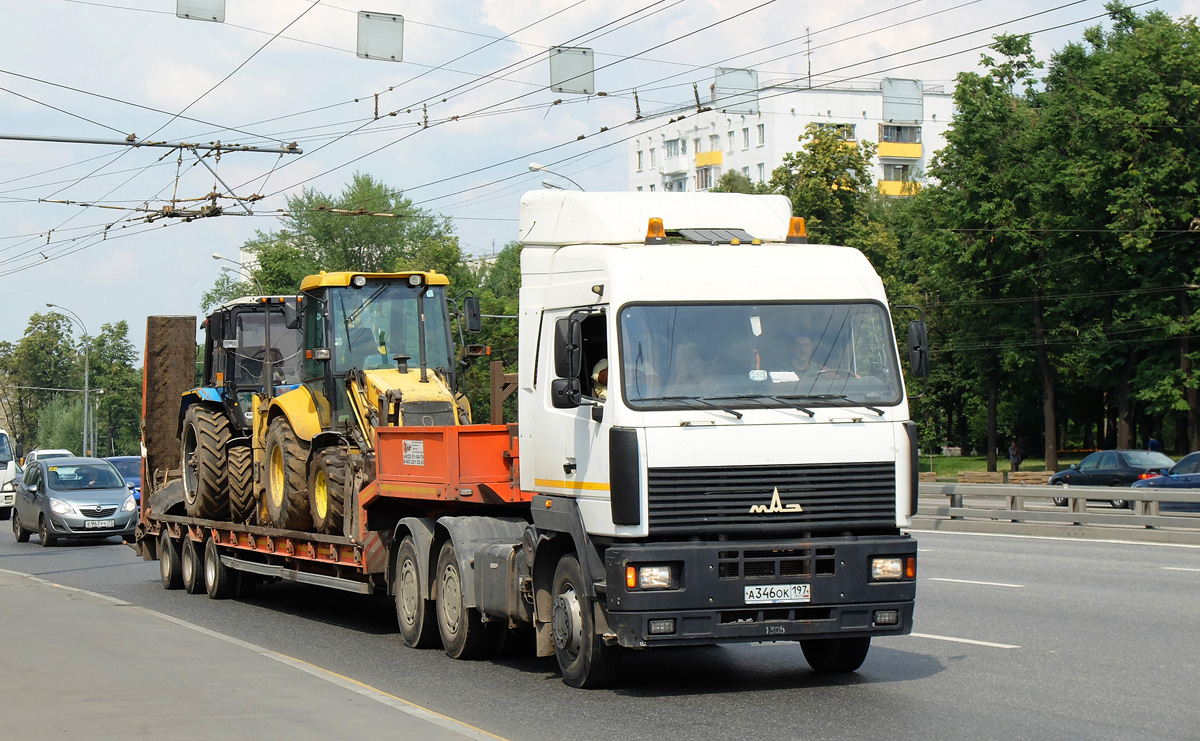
75,664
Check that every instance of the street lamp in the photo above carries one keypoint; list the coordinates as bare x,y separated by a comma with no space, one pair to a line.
535,167
551,186
85,372
96,422
245,273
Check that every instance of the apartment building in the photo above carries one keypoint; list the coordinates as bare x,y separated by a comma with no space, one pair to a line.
681,149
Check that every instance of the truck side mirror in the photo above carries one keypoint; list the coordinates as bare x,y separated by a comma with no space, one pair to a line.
20,451
291,313
568,348
473,315
918,348
566,393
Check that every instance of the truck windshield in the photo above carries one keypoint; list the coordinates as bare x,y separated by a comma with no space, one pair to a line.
5,450
676,356
373,324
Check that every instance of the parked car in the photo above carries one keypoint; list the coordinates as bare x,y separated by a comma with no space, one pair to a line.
1112,468
69,497
35,454
1183,475
130,468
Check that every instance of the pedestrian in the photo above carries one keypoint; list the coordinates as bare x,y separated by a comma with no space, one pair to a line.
1014,456
1153,443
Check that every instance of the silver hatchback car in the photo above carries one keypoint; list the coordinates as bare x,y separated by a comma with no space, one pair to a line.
73,498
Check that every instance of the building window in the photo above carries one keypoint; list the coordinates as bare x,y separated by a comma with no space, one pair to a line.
651,185
900,134
677,186
746,172
639,160
683,146
714,143
762,134
843,131
704,178
731,142
653,158
746,138
639,189
762,172
897,172
696,146
671,148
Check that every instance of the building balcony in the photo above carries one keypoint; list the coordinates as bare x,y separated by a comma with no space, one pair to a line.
675,165
898,187
897,149
708,159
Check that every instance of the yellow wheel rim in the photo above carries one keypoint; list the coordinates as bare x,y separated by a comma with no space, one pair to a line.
320,494
276,477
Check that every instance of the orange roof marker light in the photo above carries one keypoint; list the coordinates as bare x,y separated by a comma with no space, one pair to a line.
797,231
655,233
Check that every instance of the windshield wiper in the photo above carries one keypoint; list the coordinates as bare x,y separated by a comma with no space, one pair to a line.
701,402
785,400
832,397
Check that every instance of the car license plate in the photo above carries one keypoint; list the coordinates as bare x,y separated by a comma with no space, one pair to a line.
770,594
98,524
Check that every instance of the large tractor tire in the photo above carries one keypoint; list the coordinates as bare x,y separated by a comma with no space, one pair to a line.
239,475
327,490
205,435
287,478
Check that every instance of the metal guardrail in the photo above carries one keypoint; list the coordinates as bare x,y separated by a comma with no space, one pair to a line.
1030,510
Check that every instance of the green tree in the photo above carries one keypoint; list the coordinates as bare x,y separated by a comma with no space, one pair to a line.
499,287
735,182
44,359
113,362
60,423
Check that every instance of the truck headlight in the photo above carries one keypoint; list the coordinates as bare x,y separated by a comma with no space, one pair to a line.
649,577
893,567
59,507
9,486
129,505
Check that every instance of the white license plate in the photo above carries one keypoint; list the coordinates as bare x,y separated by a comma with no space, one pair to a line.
99,524
770,594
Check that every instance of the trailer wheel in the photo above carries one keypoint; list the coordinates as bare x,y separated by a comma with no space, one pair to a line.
835,655
19,531
169,566
414,613
238,475
287,465
585,661
220,581
191,566
327,490
464,634
203,440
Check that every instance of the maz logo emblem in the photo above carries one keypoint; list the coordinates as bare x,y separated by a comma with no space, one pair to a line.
774,506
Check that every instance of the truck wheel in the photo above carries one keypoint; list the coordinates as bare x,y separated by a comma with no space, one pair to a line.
464,634
191,567
169,566
583,658
205,434
220,581
19,531
238,476
44,533
287,467
835,655
327,490
414,613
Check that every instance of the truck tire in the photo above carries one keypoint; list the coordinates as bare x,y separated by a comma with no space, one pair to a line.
415,613
464,634
287,479
327,490
220,581
239,479
19,531
191,566
835,655
583,658
203,439
169,566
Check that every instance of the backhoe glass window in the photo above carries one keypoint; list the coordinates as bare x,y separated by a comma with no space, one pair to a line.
373,324
286,351
676,356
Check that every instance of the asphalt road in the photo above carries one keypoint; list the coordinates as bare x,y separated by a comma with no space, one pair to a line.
1015,638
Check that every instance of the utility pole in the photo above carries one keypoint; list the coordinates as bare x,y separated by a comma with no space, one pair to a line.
808,45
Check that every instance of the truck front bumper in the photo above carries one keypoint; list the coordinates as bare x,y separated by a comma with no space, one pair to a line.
717,587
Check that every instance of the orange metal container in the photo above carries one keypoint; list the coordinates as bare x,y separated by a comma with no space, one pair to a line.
469,464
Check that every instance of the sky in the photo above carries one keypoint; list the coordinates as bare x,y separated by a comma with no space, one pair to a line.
454,125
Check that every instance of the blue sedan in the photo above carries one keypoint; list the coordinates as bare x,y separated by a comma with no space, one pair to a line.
1183,475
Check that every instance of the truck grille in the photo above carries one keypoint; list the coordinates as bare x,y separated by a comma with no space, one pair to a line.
842,497
776,564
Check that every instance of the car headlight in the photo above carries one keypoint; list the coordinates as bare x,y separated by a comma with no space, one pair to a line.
129,505
59,507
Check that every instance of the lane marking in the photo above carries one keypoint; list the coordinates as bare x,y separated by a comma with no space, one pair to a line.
982,583
989,644
397,703
1178,568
